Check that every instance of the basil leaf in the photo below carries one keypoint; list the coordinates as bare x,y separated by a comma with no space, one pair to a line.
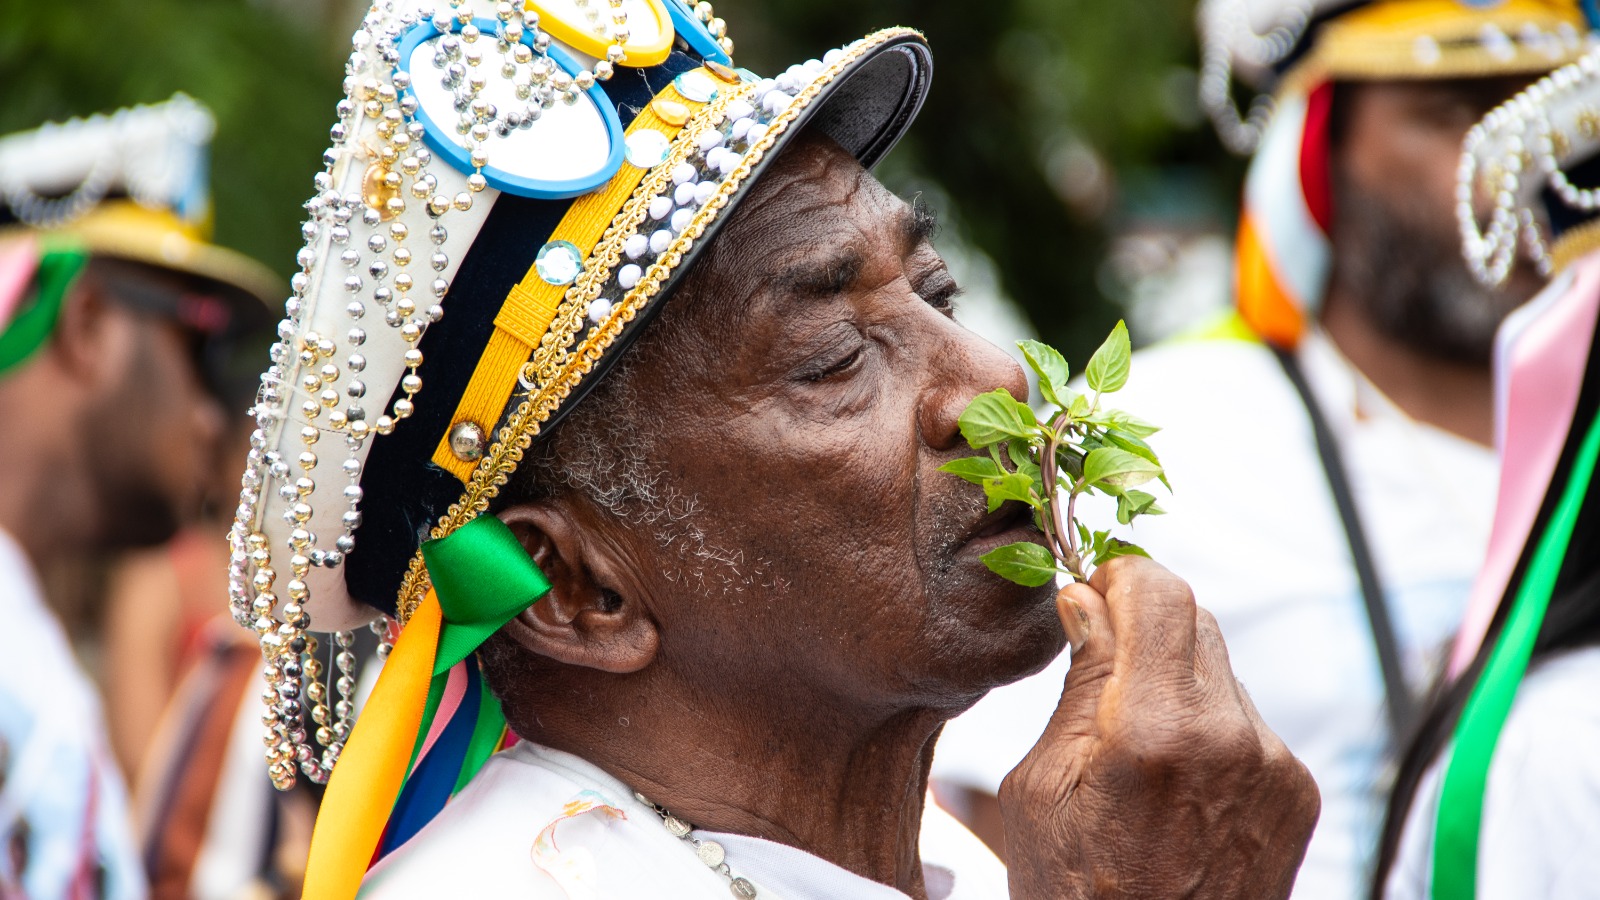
1024,563
1108,368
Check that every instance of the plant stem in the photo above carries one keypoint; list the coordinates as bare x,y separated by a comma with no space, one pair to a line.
1064,545
1076,562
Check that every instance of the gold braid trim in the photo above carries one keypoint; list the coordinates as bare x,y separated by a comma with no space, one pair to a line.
555,368
1574,245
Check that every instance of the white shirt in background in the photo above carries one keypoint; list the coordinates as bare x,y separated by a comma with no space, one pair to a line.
1541,806
63,807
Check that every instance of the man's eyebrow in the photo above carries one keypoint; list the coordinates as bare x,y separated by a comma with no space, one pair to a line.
831,274
922,224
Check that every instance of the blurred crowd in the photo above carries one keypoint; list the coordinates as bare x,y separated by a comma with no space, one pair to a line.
1375,397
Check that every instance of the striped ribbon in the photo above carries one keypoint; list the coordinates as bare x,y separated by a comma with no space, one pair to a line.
431,722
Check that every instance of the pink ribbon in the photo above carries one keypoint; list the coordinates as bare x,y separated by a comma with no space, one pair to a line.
19,259
1542,355
455,688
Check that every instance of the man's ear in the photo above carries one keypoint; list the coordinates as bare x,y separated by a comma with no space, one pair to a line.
93,339
583,620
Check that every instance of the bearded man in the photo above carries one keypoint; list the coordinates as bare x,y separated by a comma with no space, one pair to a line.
1330,442
654,483
117,322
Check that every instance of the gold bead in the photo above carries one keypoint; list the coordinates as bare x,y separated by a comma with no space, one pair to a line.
722,72
379,189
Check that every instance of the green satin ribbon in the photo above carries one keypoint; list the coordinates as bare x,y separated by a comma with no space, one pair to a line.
483,579
1460,816
58,268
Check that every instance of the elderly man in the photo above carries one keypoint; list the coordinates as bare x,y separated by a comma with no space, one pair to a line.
1330,443
655,484
114,320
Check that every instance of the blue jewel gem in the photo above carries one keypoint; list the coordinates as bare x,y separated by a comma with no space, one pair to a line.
648,148
559,262
696,85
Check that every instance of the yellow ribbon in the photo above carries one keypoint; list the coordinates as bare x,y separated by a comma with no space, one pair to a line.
367,779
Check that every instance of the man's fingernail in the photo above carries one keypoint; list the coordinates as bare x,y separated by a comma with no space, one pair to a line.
1076,623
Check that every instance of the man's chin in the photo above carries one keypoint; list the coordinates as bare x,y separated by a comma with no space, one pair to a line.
141,525
1006,633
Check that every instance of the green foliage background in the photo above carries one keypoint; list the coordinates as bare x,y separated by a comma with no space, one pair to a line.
1052,123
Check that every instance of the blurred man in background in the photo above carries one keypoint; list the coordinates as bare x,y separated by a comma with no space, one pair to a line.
1329,442
115,320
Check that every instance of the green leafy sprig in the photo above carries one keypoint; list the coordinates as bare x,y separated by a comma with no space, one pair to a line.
1086,449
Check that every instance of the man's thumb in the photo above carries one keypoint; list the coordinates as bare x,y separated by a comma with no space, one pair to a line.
1087,622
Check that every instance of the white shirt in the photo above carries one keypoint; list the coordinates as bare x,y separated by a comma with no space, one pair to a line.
1541,805
62,800
539,823
1253,528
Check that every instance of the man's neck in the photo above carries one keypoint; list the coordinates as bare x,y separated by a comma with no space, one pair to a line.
43,498
1455,397
847,794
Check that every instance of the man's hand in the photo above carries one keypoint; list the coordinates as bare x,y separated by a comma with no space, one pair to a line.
1156,776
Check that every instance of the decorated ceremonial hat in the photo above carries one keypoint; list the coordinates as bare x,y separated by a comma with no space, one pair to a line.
511,195
1528,158
129,185
1283,252
1270,44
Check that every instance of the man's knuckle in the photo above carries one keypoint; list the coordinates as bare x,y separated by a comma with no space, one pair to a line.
1034,785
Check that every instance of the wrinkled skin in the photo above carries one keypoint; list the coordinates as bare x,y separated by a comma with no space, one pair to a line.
1154,746
786,672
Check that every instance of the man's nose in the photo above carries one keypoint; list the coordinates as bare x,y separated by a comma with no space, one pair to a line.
973,367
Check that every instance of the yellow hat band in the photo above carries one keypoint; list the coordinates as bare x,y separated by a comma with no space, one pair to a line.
1448,39
531,307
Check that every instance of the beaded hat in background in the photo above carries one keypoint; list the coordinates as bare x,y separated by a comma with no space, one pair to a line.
131,185
1267,43
1296,53
1534,159
511,194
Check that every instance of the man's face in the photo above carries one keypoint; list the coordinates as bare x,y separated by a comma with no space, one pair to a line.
819,551
152,435
1397,247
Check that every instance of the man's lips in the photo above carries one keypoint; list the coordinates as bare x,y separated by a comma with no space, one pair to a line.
1011,522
